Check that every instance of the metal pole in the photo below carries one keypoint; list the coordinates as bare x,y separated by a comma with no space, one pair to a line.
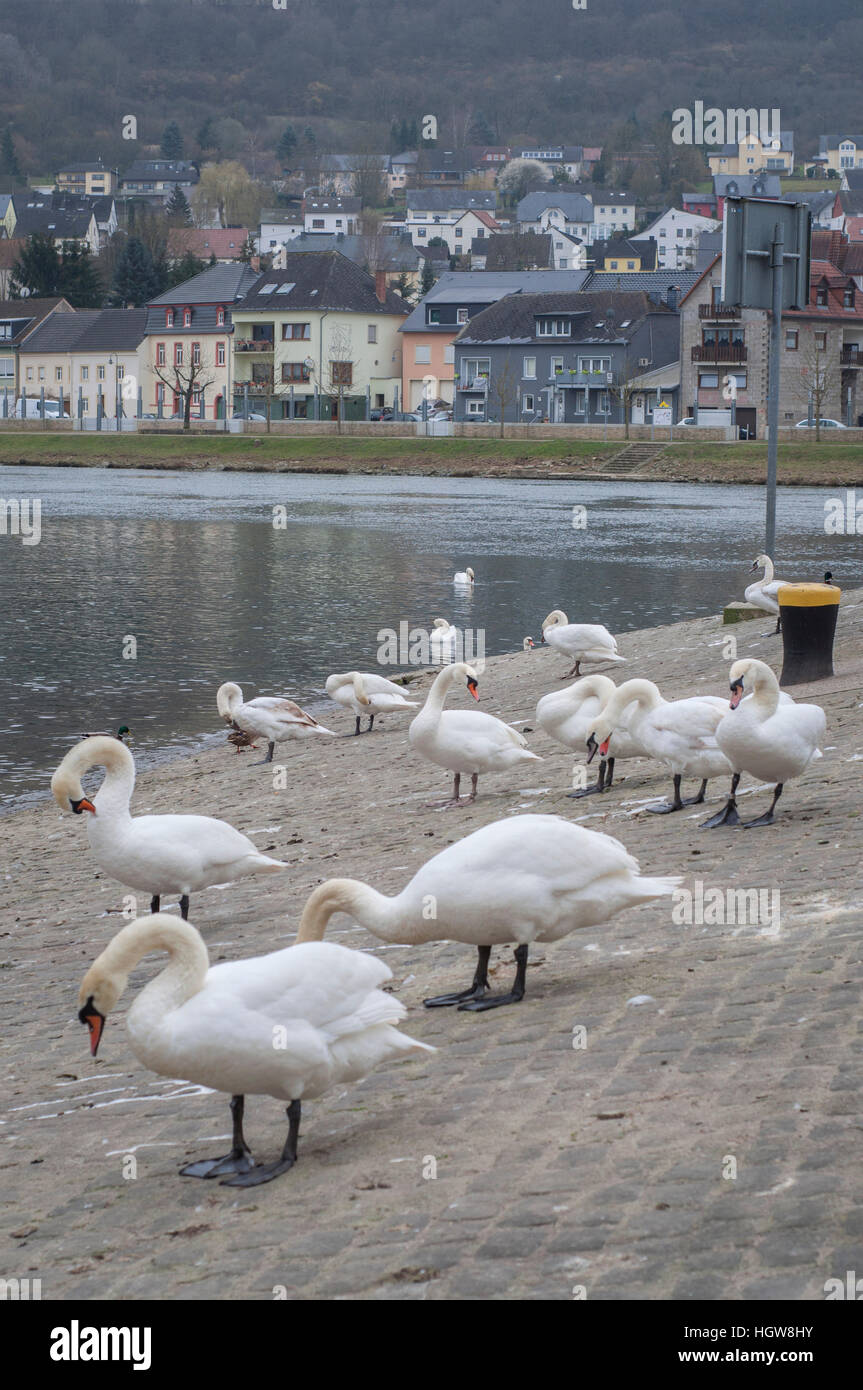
776,262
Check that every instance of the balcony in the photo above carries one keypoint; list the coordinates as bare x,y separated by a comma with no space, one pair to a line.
254,345
719,352
599,380
719,311
476,383
852,355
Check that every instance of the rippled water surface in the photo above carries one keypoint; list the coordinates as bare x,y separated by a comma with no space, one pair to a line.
193,567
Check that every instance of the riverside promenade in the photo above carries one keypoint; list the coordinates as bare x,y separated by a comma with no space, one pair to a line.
673,1112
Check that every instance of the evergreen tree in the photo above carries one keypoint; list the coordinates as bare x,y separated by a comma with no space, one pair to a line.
481,132
8,156
428,278
182,270
287,144
80,282
206,136
38,268
309,138
177,209
136,280
172,141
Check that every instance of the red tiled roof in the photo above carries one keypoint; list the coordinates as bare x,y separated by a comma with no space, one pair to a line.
226,243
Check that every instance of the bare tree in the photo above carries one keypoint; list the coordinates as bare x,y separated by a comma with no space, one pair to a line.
186,382
503,387
625,385
819,380
368,179
339,371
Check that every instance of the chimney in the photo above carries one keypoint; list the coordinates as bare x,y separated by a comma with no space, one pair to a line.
671,297
255,263
381,285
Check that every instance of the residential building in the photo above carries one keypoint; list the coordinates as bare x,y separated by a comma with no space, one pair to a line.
442,212
700,205
103,208
91,178
85,358
224,243
332,215
568,159
751,155
396,256
154,180
624,256
515,251
278,226
19,318
339,174
821,204
401,172
677,235
837,153
554,210
430,330
577,358
744,186
613,209
660,286
439,168
320,329
189,332
36,213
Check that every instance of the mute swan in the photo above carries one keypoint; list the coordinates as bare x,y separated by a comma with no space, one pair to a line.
368,694
765,734
680,733
156,854
526,878
528,644
464,741
442,640
568,716
582,641
289,1025
464,578
271,717
762,594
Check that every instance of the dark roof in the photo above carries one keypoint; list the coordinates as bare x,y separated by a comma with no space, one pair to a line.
449,199
516,251
218,284
160,170
90,330
747,185
572,203
91,166
34,311
654,283
320,280
853,177
333,204
850,201
38,214
513,319
607,196
393,253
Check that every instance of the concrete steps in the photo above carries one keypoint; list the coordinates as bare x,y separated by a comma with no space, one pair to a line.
632,459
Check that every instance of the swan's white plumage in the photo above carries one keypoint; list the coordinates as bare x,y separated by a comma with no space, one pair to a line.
679,733
366,693
272,717
463,578
772,738
569,716
464,741
581,641
762,594
214,1026
155,854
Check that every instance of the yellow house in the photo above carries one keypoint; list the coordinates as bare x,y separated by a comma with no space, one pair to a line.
837,152
85,356
90,178
624,257
19,319
751,155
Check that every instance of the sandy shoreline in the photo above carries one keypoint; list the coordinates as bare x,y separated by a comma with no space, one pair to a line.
748,1046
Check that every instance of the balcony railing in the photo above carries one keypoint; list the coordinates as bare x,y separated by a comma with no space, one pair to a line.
719,311
719,352
599,380
254,345
475,383
852,356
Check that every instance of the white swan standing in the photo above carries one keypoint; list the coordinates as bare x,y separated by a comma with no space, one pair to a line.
527,878
763,733
465,741
679,733
272,717
366,693
464,579
762,594
289,1025
569,715
155,854
581,641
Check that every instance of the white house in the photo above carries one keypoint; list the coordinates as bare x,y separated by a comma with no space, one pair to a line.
677,235
277,228
332,215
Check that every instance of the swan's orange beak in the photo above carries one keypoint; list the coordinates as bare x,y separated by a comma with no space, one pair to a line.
603,747
82,805
736,695
471,685
95,1022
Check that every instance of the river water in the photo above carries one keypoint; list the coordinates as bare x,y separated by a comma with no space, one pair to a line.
214,584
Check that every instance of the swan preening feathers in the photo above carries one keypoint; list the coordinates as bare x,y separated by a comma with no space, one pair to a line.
464,579
155,854
274,718
580,641
368,694
464,741
528,878
288,1025
569,715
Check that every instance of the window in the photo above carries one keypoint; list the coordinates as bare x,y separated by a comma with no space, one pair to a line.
318,223
527,405
422,354
630,265
294,371
58,373
792,338
602,403
178,354
169,318
578,405
594,364
473,367
553,328
220,354
373,333
614,265
342,373
475,407
708,381
41,373
555,365
820,342
196,354
160,355
7,367
292,331
29,373
848,297
461,315
187,318
220,313
85,404
421,231
529,367
449,353
821,297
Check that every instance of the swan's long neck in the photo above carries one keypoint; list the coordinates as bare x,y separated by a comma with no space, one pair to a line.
115,793
644,693
765,691
768,570
360,688
436,697
377,913
599,687
182,977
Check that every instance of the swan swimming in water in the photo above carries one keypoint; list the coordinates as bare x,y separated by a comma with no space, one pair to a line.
465,741
291,1025
155,854
271,717
526,878
766,734
464,578
369,694
581,641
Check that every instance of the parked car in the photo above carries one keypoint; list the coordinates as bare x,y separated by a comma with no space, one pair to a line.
825,425
252,415
381,413
690,420
30,408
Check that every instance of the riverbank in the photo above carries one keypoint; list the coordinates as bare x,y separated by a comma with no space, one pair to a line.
605,1166
826,464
